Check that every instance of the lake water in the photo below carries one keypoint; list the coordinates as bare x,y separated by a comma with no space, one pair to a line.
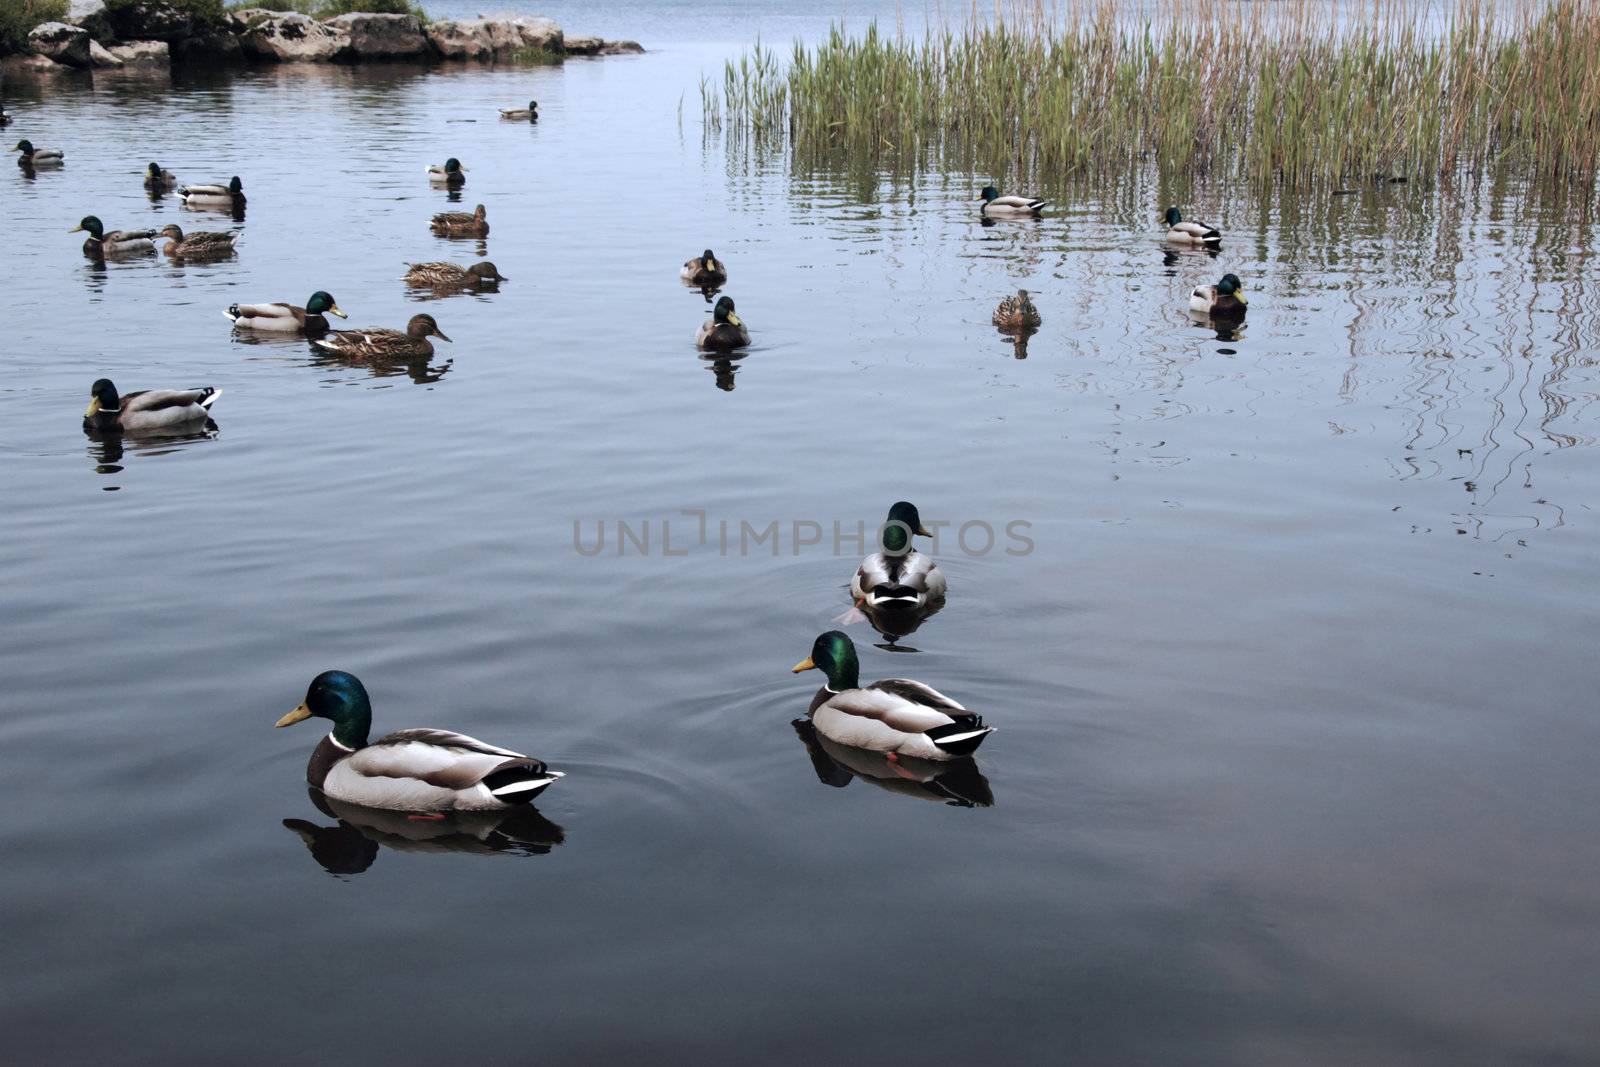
1294,687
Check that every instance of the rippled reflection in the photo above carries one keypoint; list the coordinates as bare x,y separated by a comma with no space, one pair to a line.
896,621
957,783
353,843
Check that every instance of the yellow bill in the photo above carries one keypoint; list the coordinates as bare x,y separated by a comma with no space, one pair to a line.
93,409
804,665
300,714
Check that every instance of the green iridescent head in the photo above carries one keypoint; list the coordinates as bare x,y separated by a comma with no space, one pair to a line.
834,655
339,697
902,524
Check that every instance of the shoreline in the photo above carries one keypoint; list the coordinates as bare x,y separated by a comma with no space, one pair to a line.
154,35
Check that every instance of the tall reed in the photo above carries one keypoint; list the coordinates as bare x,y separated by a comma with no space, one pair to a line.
1298,92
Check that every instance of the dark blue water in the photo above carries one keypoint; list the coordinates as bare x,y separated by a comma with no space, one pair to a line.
1294,685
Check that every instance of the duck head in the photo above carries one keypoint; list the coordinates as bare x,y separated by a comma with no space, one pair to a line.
453,166
835,656
989,193
322,303
235,186
902,524
1231,286
153,171
709,260
172,231
339,697
103,399
724,313
93,226
25,147
424,326
486,272
1174,216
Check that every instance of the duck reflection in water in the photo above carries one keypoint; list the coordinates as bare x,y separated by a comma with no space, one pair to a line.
895,620
351,846
957,783
723,367
107,447
420,369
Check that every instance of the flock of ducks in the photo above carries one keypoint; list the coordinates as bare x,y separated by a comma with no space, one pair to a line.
432,772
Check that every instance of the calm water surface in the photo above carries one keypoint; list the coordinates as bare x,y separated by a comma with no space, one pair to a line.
1295,688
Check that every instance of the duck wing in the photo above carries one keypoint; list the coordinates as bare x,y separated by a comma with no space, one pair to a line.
150,400
1024,203
410,768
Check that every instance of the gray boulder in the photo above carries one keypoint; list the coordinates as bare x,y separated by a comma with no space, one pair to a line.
296,39
383,36
461,39
100,58
151,20
60,42
583,45
498,37
622,48
147,54
92,16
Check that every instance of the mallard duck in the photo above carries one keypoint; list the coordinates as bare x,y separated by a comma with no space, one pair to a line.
957,782
148,410
38,157
451,173
526,114
197,245
997,206
386,344
704,269
725,330
158,180
100,244
1190,233
411,770
216,197
287,318
895,715
5,119
453,276
898,573
461,224
1223,300
1017,313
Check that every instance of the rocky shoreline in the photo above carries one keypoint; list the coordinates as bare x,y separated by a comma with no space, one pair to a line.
154,35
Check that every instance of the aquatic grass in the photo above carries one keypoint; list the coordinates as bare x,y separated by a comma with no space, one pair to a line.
19,17
1297,92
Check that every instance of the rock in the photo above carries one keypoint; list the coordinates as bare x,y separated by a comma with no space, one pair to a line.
62,43
383,36
92,16
296,39
210,46
100,57
142,54
497,37
23,66
241,21
583,46
622,48
151,20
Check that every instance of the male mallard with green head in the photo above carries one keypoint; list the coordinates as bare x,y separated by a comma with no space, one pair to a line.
725,330
411,770
1223,300
705,269
214,197
413,343
524,114
157,180
461,224
451,276
150,411
1017,314
201,245
102,244
1014,207
287,318
897,573
1180,232
38,157
895,716
450,173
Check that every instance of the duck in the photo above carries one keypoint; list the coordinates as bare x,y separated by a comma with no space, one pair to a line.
898,573
157,180
5,119
1223,300
451,173
453,276
997,206
147,410
896,716
422,770
214,196
725,331
99,243
413,343
308,321
1190,233
526,114
38,157
704,269
201,245
461,224
1017,313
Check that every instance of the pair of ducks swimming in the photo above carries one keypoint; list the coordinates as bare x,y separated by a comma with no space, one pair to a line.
725,331
436,771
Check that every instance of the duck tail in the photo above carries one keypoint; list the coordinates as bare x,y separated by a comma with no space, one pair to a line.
960,738
232,314
210,398
519,781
